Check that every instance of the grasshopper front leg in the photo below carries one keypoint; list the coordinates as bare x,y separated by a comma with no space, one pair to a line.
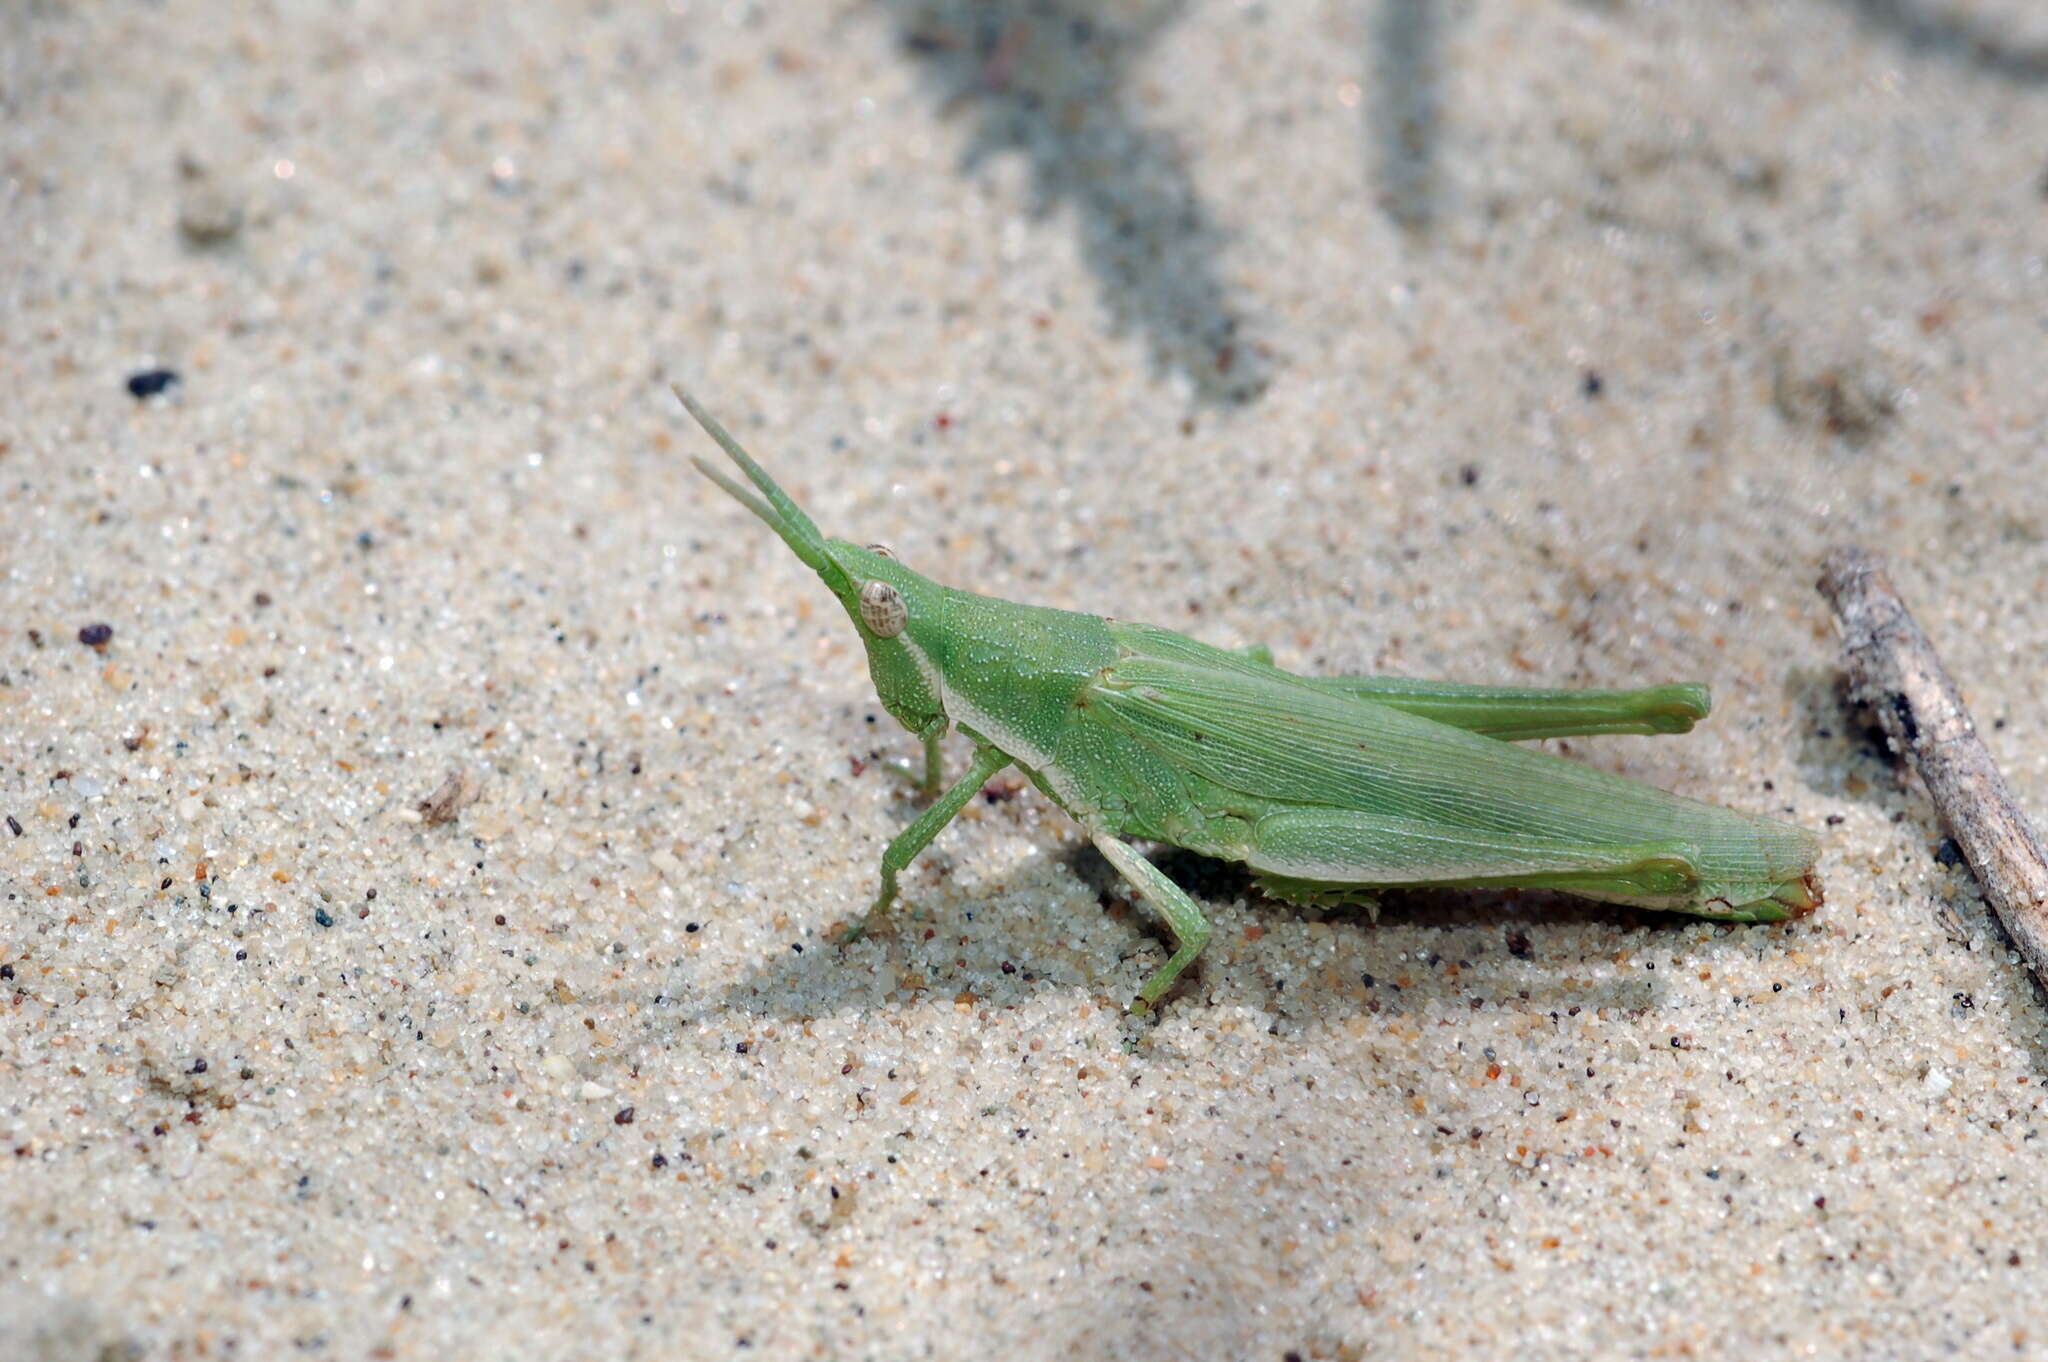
898,855
934,763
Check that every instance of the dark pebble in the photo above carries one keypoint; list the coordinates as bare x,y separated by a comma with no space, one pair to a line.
150,382
96,635
320,916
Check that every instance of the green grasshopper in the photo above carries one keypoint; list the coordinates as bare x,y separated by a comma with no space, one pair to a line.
1327,787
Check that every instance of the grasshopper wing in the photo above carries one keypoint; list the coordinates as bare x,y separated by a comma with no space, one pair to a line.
1287,754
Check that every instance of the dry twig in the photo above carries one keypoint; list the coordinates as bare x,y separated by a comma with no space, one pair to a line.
1894,669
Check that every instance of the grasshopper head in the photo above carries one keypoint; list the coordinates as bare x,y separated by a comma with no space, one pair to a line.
898,612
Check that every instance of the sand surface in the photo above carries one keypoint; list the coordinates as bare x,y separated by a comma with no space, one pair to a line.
1546,341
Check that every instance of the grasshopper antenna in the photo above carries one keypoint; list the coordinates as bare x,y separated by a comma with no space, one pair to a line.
781,513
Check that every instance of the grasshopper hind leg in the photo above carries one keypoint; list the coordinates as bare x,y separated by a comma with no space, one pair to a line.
1517,713
1322,856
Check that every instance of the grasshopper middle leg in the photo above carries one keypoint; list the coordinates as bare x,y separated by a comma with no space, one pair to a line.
1183,916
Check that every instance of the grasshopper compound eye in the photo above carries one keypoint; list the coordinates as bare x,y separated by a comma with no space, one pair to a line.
882,609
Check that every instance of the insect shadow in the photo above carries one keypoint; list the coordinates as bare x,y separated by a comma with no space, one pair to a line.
1047,79
1430,951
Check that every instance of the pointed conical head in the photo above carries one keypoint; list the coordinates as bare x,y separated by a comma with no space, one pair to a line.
898,612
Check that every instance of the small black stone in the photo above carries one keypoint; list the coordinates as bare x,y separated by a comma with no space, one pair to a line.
150,382
320,915
96,635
